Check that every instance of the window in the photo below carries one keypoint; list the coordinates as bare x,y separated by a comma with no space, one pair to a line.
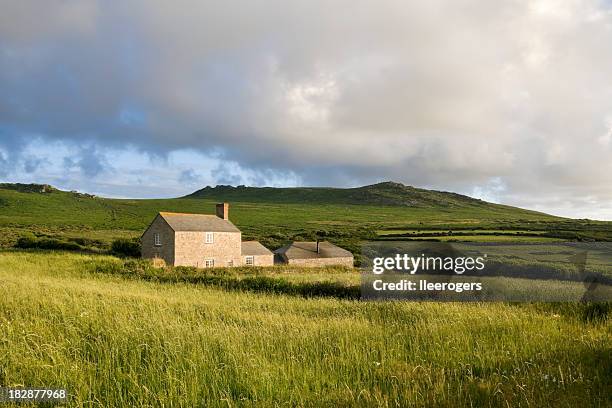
157,239
209,238
209,263
230,263
249,260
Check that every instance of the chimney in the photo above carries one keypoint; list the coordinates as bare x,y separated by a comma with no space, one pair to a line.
318,250
223,210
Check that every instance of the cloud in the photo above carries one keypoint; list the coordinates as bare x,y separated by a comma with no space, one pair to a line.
32,163
490,191
89,161
226,174
189,177
4,165
232,173
438,94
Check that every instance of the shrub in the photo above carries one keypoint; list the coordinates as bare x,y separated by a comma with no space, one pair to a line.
26,241
30,241
126,247
88,242
52,243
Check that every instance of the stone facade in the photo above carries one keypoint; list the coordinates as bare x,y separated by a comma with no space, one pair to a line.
318,262
260,260
191,249
163,251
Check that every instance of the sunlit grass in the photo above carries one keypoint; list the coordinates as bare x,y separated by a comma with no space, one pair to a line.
121,342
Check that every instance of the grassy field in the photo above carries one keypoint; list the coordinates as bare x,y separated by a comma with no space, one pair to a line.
115,341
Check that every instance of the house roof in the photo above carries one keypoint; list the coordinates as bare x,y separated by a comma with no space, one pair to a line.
308,250
254,248
197,222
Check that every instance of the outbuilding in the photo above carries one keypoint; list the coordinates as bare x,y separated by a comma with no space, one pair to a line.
314,253
255,254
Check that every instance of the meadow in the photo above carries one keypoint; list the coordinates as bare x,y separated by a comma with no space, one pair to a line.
113,340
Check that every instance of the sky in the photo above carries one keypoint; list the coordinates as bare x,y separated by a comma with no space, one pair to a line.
508,101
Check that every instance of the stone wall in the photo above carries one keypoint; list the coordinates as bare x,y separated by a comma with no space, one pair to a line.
315,262
191,249
164,251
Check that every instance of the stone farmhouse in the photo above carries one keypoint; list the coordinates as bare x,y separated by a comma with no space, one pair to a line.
201,240
206,241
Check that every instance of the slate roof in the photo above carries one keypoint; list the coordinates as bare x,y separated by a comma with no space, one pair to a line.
197,222
308,250
254,248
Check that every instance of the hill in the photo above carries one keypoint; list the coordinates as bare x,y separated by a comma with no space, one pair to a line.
276,215
387,193
28,188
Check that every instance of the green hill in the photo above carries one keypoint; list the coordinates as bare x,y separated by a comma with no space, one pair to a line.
384,204
275,215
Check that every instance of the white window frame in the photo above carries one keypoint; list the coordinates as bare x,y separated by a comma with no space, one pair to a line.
209,263
249,258
157,239
209,238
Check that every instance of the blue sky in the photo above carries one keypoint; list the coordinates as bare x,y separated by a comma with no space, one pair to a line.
506,101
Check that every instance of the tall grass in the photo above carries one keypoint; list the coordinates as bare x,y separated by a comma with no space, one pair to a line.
269,280
113,341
